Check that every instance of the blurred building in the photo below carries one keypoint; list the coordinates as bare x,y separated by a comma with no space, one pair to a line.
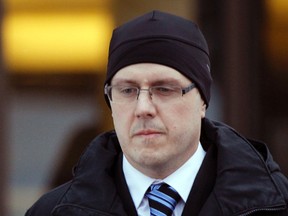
53,59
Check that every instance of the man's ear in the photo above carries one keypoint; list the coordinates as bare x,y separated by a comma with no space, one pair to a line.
203,109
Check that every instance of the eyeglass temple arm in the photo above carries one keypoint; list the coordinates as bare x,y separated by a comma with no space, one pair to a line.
189,88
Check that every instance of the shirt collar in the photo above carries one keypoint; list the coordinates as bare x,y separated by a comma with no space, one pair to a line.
138,182
188,172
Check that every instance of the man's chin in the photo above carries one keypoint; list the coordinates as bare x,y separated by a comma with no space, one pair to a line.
153,142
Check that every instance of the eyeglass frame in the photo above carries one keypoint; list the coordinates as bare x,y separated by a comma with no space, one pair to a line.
184,90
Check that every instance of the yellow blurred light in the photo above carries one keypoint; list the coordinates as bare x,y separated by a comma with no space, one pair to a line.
277,9
56,42
20,5
276,33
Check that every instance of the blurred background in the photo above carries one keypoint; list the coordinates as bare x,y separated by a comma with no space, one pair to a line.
53,62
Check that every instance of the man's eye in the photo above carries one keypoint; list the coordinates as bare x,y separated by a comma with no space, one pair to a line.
164,90
128,91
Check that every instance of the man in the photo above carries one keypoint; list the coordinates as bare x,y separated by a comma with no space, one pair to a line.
165,157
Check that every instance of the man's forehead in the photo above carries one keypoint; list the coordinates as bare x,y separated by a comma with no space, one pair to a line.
149,72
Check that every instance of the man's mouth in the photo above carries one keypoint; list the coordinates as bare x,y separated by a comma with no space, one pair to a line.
148,132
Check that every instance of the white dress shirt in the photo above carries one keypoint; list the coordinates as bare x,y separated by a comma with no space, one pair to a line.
138,183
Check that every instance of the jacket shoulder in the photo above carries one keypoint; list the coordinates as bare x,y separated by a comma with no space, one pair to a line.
101,145
48,201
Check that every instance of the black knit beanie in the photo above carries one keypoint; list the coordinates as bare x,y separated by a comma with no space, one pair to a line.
166,39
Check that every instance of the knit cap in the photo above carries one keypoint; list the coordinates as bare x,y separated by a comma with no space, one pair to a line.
162,38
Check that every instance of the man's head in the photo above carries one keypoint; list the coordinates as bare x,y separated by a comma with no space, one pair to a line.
166,39
158,86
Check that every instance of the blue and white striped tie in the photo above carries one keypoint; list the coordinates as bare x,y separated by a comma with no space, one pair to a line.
162,199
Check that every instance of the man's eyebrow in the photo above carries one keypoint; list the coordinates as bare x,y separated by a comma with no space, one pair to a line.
160,81
169,81
124,81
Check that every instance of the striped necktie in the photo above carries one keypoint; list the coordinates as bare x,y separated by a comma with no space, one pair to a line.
162,199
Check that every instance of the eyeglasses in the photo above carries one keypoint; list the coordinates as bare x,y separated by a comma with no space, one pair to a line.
128,94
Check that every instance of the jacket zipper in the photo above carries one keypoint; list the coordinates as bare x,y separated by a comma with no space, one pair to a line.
280,208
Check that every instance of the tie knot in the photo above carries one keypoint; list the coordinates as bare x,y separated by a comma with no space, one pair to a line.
162,199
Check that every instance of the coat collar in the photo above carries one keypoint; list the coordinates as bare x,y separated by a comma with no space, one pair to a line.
93,190
244,182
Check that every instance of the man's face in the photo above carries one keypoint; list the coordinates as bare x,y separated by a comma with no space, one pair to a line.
157,137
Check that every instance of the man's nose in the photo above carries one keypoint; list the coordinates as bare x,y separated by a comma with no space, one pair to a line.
145,90
145,108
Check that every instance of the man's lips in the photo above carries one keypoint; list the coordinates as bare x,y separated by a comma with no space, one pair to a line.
148,132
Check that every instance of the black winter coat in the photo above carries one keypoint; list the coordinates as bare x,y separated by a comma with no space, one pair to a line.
238,177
